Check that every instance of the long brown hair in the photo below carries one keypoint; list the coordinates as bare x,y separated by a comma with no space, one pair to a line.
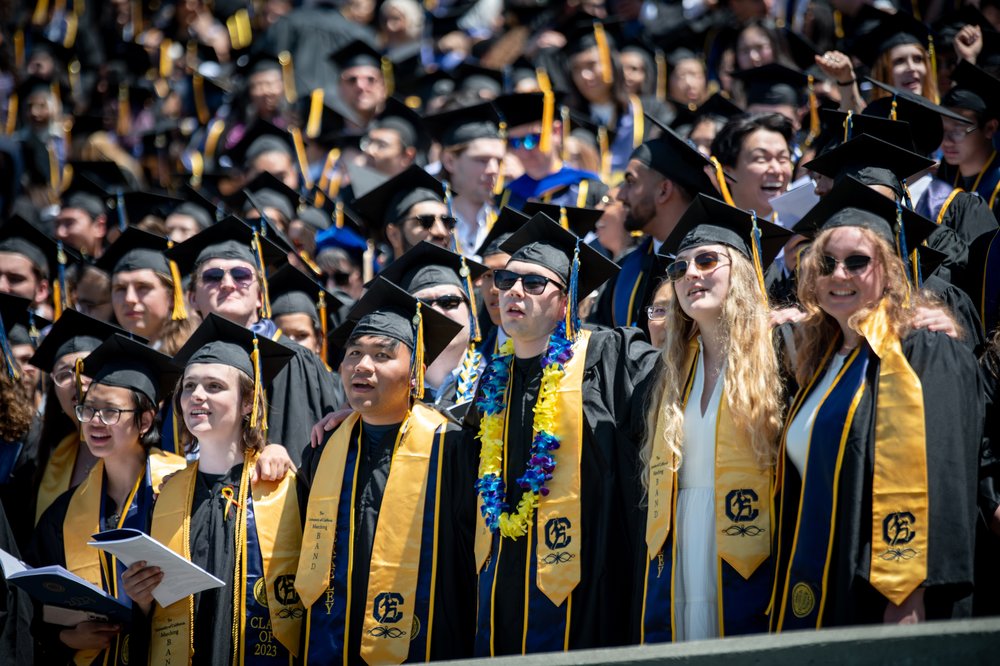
882,71
251,438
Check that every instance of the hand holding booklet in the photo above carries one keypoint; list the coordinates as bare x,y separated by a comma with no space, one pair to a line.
181,577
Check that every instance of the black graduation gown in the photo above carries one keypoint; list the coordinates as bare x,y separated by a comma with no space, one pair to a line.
967,218
987,598
962,308
617,360
971,280
455,590
299,396
48,548
954,410
604,313
16,646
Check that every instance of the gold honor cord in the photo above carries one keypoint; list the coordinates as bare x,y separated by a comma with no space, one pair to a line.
900,514
638,121
396,548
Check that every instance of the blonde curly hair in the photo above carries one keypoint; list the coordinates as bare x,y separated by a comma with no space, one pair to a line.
752,384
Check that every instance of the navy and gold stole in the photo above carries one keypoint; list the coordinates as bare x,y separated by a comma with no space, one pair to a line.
803,585
630,284
742,521
83,518
328,618
58,472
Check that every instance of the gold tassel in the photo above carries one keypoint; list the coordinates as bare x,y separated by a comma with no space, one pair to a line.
838,24
265,296
661,76
605,153
200,104
72,24
314,124
720,175
57,300
11,125
166,62
388,76
892,110
338,215
324,176
124,125
563,218
499,184
136,18
604,51
41,13
215,131
847,126
418,354
180,311
78,378
932,56
257,389
310,264
564,117
322,324
19,49
75,83
814,126
197,168
300,154
288,76
548,116
757,259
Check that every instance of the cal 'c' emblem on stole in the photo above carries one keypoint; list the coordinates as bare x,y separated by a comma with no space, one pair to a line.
557,536
741,507
386,612
897,531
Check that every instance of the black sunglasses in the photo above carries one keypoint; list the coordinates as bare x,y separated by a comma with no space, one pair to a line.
427,221
241,275
533,284
703,261
444,302
854,264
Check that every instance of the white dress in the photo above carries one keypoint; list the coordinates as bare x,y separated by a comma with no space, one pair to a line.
696,612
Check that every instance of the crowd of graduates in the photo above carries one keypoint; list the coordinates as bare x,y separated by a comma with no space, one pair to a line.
489,327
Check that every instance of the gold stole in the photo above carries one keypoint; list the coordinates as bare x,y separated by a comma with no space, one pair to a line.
277,517
83,520
396,550
900,514
559,513
58,473
742,489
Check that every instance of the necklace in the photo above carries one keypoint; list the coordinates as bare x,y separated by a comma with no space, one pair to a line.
541,463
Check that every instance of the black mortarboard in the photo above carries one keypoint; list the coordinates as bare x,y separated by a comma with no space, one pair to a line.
122,361
542,241
322,123
897,132
676,159
229,239
140,204
395,115
581,221
199,206
709,221
460,126
73,332
974,90
18,236
773,84
718,106
476,78
881,31
429,265
219,340
261,137
426,87
356,54
385,310
134,250
586,33
872,161
20,324
105,173
923,115
802,50
506,224
294,292
522,108
258,62
268,191
853,204
389,202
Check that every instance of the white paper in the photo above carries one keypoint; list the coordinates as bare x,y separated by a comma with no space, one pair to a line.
796,202
181,577
11,565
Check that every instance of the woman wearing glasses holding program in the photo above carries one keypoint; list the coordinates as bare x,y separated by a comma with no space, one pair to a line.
118,419
712,425
877,476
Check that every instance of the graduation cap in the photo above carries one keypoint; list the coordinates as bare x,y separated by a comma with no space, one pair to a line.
872,161
844,126
199,206
385,310
51,257
73,332
323,123
256,63
219,340
18,326
395,115
773,84
599,136
460,126
581,221
973,90
676,159
802,50
506,224
389,202
542,241
136,250
718,106
294,292
851,203
268,191
923,115
348,236
356,53
588,33
141,204
476,78
124,362
881,31
261,137
528,108
708,221
420,90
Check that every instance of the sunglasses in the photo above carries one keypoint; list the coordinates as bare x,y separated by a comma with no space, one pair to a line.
533,284
427,221
528,142
705,262
854,264
241,275
340,278
444,302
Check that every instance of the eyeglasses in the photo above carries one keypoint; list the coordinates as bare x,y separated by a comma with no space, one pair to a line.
705,262
958,135
108,415
855,264
527,142
533,284
242,276
427,221
656,312
444,302
63,377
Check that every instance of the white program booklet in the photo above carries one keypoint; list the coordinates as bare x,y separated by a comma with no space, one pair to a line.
796,202
181,577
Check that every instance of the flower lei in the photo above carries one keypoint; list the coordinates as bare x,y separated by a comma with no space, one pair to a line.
468,375
541,464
